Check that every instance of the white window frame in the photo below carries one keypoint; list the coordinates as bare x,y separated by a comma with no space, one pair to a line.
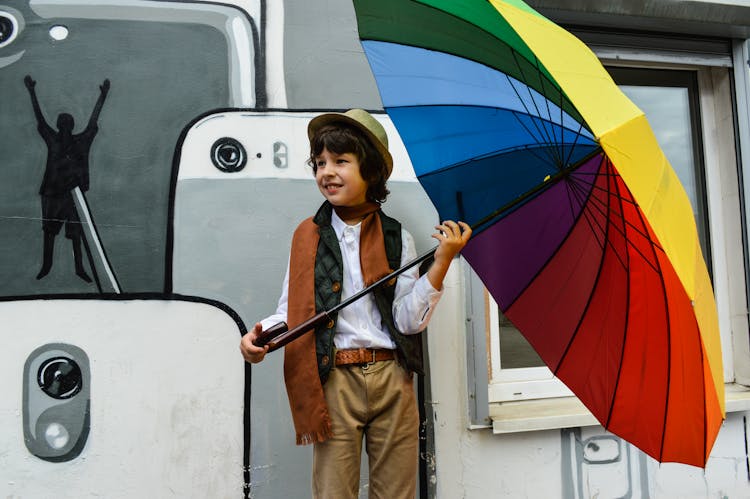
532,398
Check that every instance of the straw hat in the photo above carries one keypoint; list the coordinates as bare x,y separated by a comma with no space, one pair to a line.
362,120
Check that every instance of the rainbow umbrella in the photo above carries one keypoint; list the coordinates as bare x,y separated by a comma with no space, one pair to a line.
583,233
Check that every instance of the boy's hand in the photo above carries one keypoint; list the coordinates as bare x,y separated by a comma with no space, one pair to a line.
250,351
452,237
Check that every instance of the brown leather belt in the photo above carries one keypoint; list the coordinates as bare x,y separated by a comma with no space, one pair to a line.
363,356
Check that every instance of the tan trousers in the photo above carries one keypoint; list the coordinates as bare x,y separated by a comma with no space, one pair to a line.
376,402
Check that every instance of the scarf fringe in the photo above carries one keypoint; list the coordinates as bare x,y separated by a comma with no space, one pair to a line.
315,436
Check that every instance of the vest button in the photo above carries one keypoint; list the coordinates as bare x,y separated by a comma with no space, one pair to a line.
324,360
336,287
330,324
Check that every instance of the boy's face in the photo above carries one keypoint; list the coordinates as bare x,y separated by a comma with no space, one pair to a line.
339,179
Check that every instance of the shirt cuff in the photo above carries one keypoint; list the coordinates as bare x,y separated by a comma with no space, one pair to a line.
268,322
424,289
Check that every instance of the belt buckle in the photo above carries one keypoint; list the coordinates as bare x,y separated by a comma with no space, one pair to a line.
369,363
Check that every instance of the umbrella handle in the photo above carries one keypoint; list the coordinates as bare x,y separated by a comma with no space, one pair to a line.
279,334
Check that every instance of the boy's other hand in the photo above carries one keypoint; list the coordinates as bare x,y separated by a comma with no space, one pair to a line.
250,352
452,237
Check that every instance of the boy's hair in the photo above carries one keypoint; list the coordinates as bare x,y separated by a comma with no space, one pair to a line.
340,138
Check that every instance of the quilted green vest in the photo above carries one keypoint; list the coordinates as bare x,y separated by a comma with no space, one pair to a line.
329,273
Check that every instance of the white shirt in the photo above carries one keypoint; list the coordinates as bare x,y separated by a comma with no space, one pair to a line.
359,324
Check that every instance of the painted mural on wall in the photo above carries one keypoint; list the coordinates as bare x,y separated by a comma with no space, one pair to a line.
153,170
108,368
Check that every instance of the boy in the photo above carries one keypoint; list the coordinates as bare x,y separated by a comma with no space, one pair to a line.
353,376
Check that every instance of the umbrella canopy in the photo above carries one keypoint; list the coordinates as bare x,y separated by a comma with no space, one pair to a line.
583,233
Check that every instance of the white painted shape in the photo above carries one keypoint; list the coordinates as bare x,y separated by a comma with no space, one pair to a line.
241,66
733,3
85,214
58,32
273,42
167,386
257,132
7,61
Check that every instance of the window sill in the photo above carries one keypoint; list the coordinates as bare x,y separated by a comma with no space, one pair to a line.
569,412
539,414
737,397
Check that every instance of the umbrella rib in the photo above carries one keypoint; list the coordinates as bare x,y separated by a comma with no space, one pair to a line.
562,136
563,97
590,297
605,211
549,156
669,337
544,133
575,141
657,269
580,194
518,64
558,156
613,178
628,200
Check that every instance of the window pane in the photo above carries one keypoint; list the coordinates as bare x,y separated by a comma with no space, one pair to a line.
515,351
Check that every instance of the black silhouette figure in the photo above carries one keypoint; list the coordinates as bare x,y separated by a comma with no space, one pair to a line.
67,168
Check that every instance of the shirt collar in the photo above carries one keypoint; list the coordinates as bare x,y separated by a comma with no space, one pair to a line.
339,226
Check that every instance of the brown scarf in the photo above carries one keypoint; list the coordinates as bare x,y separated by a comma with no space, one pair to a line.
303,387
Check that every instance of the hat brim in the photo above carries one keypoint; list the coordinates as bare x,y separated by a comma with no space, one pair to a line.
328,118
